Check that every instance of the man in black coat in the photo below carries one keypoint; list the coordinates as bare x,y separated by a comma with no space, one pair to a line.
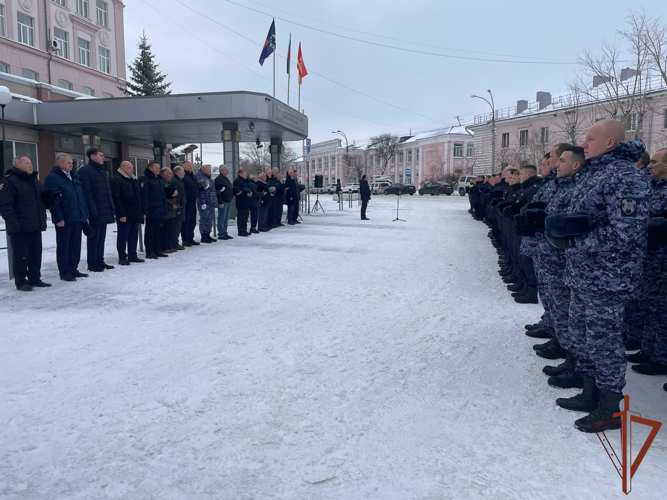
243,195
279,198
291,196
365,194
96,187
127,202
263,187
182,202
153,208
68,216
256,203
190,214
23,203
225,194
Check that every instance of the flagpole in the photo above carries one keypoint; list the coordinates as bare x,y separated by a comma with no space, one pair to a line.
274,74
289,69
299,107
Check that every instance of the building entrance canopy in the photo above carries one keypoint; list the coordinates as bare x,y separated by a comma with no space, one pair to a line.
174,119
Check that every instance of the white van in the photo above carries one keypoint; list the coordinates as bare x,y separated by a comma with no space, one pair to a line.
379,187
464,182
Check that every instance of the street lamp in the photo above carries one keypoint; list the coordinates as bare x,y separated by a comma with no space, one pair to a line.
492,104
5,98
347,152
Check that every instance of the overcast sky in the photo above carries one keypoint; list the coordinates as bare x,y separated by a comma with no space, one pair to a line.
431,89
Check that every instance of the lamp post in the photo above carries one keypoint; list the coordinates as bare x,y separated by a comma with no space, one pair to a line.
492,104
347,152
5,98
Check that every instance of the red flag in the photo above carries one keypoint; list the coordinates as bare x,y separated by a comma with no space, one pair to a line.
301,66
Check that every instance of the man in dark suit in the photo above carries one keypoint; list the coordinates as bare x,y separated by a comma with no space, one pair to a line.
365,194
127,202
68,216
153,208
243,195
96,187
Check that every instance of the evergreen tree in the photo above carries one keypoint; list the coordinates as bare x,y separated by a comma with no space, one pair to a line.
145,78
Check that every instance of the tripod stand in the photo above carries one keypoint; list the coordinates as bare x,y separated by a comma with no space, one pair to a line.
318,206
398,201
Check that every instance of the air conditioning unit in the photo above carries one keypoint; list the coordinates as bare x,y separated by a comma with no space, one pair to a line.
55,45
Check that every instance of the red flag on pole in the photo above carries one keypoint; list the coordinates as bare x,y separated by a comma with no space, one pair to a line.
301,66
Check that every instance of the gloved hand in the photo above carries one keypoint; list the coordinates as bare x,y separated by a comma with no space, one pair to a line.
541,205
496,195
521,226
568,224
535,218
657,232
515,208
496,201
203,207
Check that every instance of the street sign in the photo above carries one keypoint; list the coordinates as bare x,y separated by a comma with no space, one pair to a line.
308,145
407,172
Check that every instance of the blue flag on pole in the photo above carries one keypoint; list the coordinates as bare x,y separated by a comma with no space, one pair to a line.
289,54
269,44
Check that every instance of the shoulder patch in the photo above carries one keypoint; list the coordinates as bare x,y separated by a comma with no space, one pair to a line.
629,207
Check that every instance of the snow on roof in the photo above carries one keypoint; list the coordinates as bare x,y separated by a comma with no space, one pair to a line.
457,130
25,98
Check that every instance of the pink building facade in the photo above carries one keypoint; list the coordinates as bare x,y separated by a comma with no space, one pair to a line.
524,133
420,158
76,45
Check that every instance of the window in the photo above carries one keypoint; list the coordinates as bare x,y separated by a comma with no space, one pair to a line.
87,91
523,138
326,163
63,41
333,162
416,155
31,75
2,21
26,31
61,2
82,7
664,125
631,121
400,158
393,158
102,15
84,52
470,150
377,161
4,68
544,135
64,84
14,149
319,164
599,117
458,150
105,60
409,155
505,143
107,96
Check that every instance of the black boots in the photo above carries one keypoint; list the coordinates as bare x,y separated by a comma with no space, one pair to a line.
586,401
123,262
567,380
550,350
650,368
538,333
610,403
528,297
557,370
638,357
206,238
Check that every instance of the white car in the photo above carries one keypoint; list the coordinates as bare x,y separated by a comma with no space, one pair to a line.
379,187
351,188
464,183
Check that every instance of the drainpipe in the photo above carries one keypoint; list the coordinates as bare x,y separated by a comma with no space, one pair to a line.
46,33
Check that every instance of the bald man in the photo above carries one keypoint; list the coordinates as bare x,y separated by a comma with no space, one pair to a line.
127,204
605,230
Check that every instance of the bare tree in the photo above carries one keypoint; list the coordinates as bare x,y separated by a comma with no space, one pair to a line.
655,41
576,118
385,146
355,166
255,159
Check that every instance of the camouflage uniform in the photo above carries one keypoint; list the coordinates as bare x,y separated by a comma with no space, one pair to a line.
530,246
207,198
552,266
604,268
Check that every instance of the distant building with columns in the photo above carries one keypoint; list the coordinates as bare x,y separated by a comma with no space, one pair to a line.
419,158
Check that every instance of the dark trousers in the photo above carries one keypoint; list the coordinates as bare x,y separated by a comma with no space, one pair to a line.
152,236
95,246
254,217
278,214
263,217
127,237
291,211
271,215
68,247
364,206
242,220
188,225
165,234
296,209
175,231
27,252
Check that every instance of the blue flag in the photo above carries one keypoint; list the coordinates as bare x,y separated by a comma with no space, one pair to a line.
269,44
289,54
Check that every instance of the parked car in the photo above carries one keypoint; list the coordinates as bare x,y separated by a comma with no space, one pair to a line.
436,188
330,188
464,183
379,187
399,188
351,188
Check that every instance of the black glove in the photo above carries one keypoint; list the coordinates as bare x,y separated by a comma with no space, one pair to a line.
515,208
657,231
496,201
51,198
541,205
535,218
521,226
568,224
496,195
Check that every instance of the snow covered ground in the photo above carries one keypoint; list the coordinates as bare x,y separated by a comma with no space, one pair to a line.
339,359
